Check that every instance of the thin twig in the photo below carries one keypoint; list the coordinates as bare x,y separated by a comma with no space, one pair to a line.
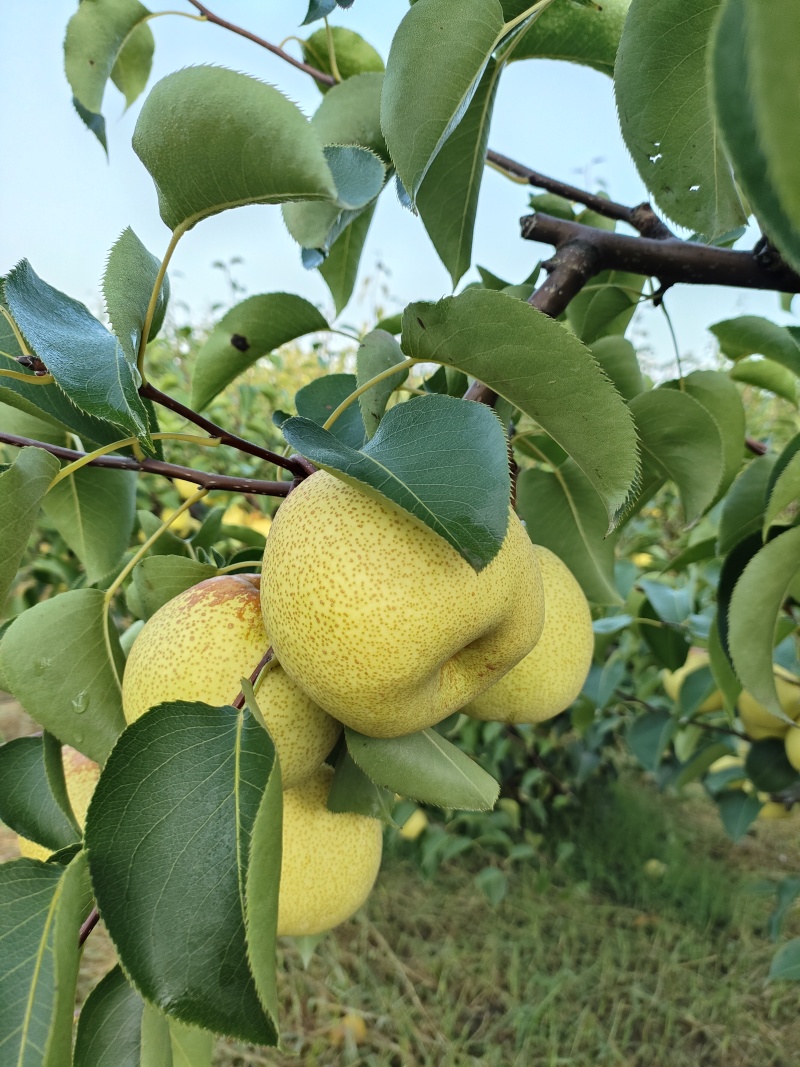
226,483
89,925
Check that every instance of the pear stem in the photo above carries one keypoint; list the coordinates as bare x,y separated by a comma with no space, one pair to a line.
265,660
406,363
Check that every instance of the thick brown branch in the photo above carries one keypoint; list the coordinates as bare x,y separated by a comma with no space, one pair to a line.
641,218
228,483
671,261
297,465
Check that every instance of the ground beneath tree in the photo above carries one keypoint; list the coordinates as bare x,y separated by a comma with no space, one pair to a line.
557,974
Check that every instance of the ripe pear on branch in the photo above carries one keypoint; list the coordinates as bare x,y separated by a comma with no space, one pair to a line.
672,681
381,621
551,676
199,645
757,721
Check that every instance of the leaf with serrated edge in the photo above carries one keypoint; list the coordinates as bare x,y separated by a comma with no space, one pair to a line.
588,35
110,1025
128,282
539,367
22,489
353,791
410,462
785,491
425,767
722,400
743,507
247,144
753,614
377,353
766,374
320,398
751,335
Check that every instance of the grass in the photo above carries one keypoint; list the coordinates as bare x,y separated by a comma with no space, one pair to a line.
587,961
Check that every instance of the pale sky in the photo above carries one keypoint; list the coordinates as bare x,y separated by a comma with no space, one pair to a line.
64,205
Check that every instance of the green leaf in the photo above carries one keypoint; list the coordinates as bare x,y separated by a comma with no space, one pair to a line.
751,335
448,196
94,511
417,83
247,144
110,1025
672,606
539,367
320,398
723,402
22,489
786,962
606,305
562,511
767,766
128,282
668,644
158,579
173,819
340,266
727,682
737,810
649,736
352,791
27,804
191,1047
428,457
785,491
377,353
41,908
107,39
493,883
661,82
743,510
698,764
246,333
57,660
167,544
350,113
354,55
698,552
766,374
588,34
680,441
754,610
85,359
424,767
617,357
755,110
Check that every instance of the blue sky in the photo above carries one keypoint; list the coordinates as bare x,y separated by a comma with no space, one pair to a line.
64,205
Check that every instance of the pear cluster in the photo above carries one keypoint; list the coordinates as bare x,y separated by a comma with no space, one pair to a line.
375,623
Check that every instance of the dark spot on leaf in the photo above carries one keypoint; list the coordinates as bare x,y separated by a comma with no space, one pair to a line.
240,343
421,323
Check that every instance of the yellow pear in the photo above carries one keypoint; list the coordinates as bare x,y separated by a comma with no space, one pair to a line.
330,861
550,677
673,680
200,644
380,620
793,746
773,810
80,776
758,722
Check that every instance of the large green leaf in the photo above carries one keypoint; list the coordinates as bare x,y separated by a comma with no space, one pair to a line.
128,281
743,509
107,39
442,459
378,352
172,820
94,511
110,1025
417,82
350,113
785,491
649,736
751,335
27,804
319,399
661,82
448,196
539,367
340,266
563,512
605,306
353,791
721,399
756,110
753,614
246,144
246,333
424,766
62,665
681,441
618,358
588,34
22,489
158,579
41,908
86,360
766,374
354,55
737,811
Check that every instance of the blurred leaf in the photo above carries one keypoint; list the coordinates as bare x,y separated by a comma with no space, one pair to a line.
617,357
22,489
785,490
27,804
743,510
424,767
727,682
649,735
672,605
411,462
786,962
588,34
172,819
128,282
245,334
514,348
699,552
606,306
786,892
766,374
668,644
157,579
94,511
723,402
56,660
352,791
737,811
699,763
247,144
320,398
354,55
377,353
768,768
751,335
493,883
661,81
318,9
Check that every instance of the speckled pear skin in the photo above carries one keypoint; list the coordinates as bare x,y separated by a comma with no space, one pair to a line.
200,644
80,776
330,861
380,620
551,676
